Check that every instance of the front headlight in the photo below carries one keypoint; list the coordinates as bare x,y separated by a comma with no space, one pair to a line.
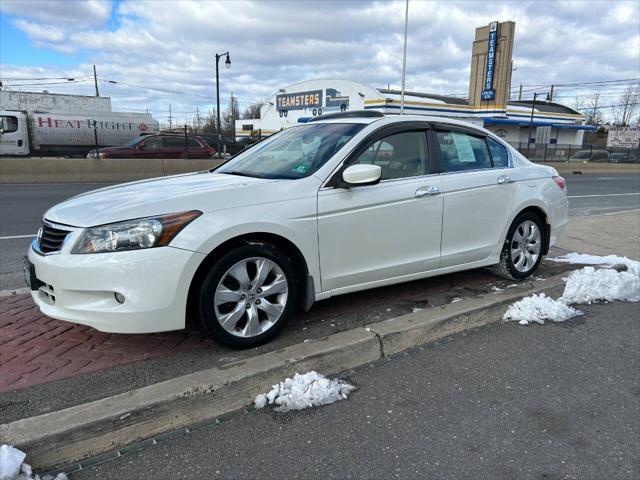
134,234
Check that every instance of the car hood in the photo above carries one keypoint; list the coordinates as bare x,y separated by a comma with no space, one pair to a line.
203,191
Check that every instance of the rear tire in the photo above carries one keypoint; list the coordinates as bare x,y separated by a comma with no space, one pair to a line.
522,250
248,296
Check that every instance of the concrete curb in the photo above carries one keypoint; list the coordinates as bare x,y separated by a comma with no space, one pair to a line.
79,432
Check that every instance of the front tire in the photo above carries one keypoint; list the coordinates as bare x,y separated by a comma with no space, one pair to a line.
522,250
248,296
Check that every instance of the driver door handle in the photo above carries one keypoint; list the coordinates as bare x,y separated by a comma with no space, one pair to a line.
505,179
427,191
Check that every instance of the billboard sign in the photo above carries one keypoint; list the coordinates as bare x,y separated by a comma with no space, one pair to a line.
488,93
623,137
299,100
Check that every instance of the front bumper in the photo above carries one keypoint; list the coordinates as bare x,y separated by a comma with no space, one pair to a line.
81,288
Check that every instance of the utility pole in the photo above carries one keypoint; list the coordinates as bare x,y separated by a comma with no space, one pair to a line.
95,81
520,93
404,56
197,119
170,121
551,94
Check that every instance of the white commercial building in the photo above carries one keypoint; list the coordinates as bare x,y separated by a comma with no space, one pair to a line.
553,123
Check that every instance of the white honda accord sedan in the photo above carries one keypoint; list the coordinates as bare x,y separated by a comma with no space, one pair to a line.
360,201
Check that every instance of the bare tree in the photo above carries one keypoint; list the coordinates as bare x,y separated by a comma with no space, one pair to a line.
578,103
628,104
230,116
593,110
253,110
209,123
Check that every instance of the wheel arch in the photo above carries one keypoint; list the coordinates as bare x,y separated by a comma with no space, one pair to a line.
546,225
307,291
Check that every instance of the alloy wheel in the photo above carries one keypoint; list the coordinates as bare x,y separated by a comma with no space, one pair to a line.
525,246
251,297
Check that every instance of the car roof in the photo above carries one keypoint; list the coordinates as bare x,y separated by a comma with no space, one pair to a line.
399,119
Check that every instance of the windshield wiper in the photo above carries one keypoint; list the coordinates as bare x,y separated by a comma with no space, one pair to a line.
241,174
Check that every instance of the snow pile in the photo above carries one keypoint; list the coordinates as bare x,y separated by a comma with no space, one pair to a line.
10,461
590,285
12,466
538,308
303,391
587,285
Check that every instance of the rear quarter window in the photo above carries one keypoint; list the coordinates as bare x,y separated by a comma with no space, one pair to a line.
499,154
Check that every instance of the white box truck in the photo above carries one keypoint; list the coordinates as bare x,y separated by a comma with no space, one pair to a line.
56,133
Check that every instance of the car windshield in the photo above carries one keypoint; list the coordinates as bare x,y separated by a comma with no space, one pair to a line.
135,141
296,152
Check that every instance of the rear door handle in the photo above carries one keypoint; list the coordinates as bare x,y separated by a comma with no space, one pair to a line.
505,179
427,191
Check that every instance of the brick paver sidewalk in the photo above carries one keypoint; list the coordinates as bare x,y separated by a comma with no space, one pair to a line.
36,349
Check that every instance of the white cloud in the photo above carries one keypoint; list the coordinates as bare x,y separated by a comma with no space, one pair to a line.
37,31
65,12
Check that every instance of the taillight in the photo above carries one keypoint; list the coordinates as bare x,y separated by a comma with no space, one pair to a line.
562,183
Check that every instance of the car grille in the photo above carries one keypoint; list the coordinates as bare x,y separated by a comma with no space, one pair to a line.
52,238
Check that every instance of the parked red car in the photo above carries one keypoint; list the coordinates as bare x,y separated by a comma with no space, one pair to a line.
159,145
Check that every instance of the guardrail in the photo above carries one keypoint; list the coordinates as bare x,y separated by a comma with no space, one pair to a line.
76,170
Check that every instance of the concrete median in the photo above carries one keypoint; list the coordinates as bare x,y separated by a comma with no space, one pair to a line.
69,170
565,168
77,170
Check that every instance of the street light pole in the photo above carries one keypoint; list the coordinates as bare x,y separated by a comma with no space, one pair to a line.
227,64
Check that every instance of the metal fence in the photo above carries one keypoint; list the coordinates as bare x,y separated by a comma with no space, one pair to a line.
543,152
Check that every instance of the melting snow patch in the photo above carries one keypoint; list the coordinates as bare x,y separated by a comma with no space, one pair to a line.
456,300
538,308
585,259
586,285
303,391
12,466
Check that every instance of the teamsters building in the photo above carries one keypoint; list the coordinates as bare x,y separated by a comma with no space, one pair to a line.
487,105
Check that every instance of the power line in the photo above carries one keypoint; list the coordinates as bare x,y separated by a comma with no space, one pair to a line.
44,84
13,79
165,90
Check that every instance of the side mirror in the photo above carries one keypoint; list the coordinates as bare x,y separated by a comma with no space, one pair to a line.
362,174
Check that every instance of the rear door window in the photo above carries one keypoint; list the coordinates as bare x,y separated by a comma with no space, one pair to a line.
174,142
153,142
460,151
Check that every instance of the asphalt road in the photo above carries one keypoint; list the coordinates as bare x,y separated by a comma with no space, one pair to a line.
22,207
542,402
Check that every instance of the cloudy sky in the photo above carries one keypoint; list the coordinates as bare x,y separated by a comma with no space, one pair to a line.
161,52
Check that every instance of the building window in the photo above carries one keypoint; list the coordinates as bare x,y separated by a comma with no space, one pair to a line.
247,126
